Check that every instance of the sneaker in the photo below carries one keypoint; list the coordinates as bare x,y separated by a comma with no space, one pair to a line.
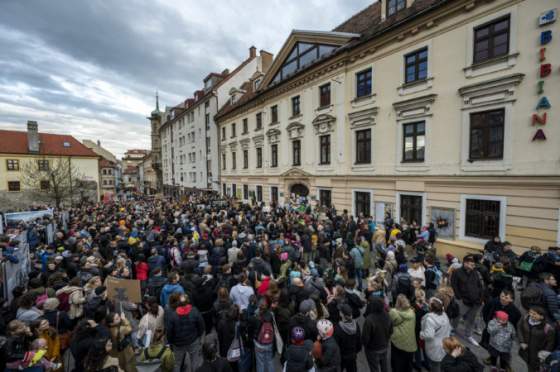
473,341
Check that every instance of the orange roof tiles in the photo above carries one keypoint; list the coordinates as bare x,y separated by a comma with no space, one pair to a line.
15,142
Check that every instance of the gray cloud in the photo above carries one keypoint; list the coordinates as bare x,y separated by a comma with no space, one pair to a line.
90,68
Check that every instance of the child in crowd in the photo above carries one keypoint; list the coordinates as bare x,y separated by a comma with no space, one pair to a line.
502,334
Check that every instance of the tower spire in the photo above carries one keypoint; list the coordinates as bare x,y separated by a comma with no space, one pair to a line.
157,101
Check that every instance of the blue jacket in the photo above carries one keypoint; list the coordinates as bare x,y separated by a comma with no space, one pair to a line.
168,290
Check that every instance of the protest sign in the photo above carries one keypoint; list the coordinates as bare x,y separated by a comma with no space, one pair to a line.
123,289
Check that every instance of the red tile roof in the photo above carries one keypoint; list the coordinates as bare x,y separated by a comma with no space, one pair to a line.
15,142
104,163
362,20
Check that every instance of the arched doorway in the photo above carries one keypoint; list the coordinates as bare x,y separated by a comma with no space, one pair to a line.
299,189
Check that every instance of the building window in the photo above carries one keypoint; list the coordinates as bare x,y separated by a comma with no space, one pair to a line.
224,189
234,190
245,126
363,83
362,202
414,142
296,152
491,40
12,165
13,186
104,171
224,161
259,157
482,218
45,184
325,95
416,66
245,192
295,106
301,55
245,159
411,208
259,194
394,6
325,149
325,198
43,165
223,133
259,121
207,121
274,114
233,134
487,135
274,194
274,155
233,160
363,146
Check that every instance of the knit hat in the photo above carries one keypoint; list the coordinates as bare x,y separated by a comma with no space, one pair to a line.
51,304
325,328
502,315
298,334
403,268
306,306
99,290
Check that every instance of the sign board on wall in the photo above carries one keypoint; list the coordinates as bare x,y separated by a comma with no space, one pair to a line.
444,222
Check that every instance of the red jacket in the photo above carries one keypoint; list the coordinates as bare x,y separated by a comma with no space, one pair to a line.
142,271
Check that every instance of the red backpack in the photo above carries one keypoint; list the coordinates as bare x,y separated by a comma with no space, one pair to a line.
64,301
266,334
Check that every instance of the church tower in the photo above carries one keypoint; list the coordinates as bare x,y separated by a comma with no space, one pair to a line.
155,122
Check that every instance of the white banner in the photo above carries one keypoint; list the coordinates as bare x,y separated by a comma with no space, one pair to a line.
27,216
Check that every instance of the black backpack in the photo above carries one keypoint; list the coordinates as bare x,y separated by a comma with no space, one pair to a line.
404,285
532,295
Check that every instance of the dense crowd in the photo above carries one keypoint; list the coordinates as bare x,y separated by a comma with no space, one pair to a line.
228,286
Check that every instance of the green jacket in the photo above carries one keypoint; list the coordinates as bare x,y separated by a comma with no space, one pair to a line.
167,357
404,325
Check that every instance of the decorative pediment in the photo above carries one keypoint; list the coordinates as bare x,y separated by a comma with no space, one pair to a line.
415,107
492,91
273,135
296,173
258,140
295,130
324,123
232,145
302,49
363,118
245,143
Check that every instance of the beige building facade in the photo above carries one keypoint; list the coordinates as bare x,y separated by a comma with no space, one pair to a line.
440,112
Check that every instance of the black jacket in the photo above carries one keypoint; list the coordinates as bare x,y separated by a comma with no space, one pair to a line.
185,325
377,331
330,358
218,365
489,311
348,337
464,363
298,358
467,286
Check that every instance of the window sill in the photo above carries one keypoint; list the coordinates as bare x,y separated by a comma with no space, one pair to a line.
362,101
295,116
274,123
491,65
415,86
485,166
324,108
363,167
258,129
412,166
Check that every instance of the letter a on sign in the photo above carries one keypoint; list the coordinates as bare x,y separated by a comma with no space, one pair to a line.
541,120
539,136
543,103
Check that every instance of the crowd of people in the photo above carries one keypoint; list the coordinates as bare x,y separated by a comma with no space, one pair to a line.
228,286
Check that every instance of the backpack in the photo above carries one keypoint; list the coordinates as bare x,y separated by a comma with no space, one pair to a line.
355,303
404,285
64,301
532,295
437,275
266,334
41,299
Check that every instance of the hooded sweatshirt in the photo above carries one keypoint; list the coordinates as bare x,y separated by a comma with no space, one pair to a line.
435,328
168,290
184,326
347,335
404,325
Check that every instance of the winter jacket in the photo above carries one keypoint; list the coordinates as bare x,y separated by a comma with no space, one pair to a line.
28,315
150,322
142,270
551,301
184,326
538,337
490,308
167,359
330,358
59,319
76,299
377,331
467,286
168,290
404,324
501,337
467,362
298,358
347,335
435,328
357,254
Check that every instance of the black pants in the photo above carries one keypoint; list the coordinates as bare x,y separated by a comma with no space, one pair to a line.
377,360
348,364
401,361
495,355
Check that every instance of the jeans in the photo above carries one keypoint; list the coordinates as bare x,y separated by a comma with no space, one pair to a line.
245,362
188,358
469,314
264,355
377,360
359,278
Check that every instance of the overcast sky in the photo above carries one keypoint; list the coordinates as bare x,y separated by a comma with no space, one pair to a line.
91,67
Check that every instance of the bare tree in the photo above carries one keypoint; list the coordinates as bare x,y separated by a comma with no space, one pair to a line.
56,179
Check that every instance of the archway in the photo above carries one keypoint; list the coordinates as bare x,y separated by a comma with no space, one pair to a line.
299,189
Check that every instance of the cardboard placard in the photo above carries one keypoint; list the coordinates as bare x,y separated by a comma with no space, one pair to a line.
129,287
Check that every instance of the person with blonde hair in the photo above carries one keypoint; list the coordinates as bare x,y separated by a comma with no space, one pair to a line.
434,328
403,340
458,357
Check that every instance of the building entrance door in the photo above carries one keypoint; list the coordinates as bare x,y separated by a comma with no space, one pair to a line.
299,190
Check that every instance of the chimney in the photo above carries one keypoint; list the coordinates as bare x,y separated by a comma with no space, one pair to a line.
32,136
252,52
225,72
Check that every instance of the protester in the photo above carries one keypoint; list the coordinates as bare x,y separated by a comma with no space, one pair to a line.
403,340
435,328
458,358
535,335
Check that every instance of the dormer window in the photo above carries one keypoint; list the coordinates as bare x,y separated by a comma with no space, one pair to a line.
257,83
394,6
66,144
301,56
